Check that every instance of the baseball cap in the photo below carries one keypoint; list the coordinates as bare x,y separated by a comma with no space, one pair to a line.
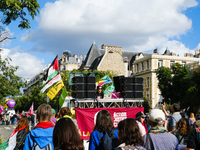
140,114
156,115
54,112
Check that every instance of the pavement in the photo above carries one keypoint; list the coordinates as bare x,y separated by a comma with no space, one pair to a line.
6,131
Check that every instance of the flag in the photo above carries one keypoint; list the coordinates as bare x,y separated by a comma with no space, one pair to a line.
31,110
62,96
52,71
103,81
50,83
55,89
109,89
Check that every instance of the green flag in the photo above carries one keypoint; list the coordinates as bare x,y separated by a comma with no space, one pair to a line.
109,89
62,96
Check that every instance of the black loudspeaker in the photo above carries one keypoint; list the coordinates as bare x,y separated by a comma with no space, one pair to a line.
90,87
117,82
79,94
78,79
129,87
84,87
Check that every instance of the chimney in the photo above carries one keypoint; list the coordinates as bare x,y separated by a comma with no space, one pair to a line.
155,51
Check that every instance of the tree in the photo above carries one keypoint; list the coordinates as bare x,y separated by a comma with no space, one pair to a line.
4,35
14,9
9,82
174,83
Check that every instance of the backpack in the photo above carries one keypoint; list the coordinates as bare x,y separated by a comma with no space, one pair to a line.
36,146
109,141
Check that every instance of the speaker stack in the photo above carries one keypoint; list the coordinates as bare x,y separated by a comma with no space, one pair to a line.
84,87
129,87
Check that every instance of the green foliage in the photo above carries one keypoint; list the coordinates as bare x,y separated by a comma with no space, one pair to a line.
145,104
179,85
25,102
101,74
14,9
9,82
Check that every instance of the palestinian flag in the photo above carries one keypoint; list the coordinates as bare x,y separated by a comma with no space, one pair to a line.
52,71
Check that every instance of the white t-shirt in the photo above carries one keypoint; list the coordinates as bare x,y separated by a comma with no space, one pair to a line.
141,127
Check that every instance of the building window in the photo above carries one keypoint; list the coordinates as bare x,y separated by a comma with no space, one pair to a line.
63,67
142,65
160,63
137,68
183,63
148,64
171,62
64,60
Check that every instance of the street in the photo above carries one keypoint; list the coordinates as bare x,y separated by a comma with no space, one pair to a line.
6,131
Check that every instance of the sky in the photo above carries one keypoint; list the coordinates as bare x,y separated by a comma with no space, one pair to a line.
135,25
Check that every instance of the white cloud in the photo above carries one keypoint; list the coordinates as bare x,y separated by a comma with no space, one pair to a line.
28,64
175,46
137,25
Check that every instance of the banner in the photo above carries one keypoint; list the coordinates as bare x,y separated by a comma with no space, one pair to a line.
85,117
55,89
50,83
62,96
103,81
109,89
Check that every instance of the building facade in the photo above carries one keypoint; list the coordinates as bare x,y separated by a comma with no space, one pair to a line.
69,62
145,66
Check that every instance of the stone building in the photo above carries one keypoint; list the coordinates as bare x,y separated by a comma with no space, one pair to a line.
145,66
69,62
108,57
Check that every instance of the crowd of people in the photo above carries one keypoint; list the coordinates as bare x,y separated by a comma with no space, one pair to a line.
157,130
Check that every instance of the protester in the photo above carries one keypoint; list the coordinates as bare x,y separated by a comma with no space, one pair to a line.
194,140
4,119
17,139
140,118
66,136
104,124
158,138
99,93
65,112
175,116
129,135
42,135
182,131
192,119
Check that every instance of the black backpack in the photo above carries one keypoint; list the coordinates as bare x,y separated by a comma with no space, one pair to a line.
109,141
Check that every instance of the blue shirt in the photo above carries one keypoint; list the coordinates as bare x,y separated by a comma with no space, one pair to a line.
94,139
173,120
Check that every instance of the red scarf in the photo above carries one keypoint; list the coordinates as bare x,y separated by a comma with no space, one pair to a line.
18,130
44,125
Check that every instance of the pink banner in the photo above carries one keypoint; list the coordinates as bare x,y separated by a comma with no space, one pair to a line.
85,117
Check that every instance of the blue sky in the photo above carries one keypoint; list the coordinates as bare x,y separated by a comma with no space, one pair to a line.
136,25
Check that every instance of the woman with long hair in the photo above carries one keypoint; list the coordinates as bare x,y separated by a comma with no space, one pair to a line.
66,136
129,135
17,139
182,131
104,124
192,119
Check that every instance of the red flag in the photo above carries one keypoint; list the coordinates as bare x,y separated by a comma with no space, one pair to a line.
31,110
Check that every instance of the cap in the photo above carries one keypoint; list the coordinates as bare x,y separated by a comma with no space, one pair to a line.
54,112
140,114
156,115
